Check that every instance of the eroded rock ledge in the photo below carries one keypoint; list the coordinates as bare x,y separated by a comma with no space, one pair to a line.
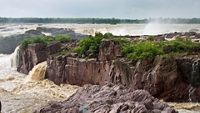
108,99
174,79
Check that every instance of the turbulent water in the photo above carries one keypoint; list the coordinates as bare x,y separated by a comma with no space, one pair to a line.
90,29
24,93
21,93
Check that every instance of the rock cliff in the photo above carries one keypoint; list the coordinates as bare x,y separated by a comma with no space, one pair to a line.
168,78
35,54
171,78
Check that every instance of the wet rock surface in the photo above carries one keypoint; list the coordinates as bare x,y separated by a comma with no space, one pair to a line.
108,99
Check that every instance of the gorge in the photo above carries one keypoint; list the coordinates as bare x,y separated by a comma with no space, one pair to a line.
101,65
171,77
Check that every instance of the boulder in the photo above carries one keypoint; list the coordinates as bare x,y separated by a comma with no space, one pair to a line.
108,99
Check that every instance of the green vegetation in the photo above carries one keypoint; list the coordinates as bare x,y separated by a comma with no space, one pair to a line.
142,50
150,49
138,49
90,45
44,40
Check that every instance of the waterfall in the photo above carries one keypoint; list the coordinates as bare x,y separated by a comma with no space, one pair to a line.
37,73
193,80
15,58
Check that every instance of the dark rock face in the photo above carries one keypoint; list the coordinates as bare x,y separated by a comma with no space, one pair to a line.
54,47
108,99
171,78
165,78
34,54
8,44
77,71
109,50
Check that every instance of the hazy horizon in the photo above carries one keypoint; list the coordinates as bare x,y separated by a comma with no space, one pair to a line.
122,9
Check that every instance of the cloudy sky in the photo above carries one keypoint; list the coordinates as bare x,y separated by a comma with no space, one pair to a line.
101,8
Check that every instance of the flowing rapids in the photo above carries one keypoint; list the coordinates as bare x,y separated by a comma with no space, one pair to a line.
21,93
186,107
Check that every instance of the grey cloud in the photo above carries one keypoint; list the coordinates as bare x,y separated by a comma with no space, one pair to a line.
100,8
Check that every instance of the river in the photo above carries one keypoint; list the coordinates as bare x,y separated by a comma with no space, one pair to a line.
20,93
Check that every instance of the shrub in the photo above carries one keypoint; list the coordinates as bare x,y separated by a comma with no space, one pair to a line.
90,44
150,49
62,38
142,50
24,44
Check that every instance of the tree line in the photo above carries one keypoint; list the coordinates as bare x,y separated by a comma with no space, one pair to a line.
99,20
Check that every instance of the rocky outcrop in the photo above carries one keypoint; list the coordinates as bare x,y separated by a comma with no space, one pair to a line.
168,78
109,50
76,71
9,43
108,99
35,54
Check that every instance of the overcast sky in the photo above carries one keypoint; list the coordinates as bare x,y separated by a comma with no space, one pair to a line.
133,9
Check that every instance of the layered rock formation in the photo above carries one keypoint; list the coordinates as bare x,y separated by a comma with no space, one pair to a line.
35,54
108,99
168,78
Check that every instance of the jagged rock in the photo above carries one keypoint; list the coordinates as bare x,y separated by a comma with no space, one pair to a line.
165,78
109,50
35,54
31,56
76,71
108,99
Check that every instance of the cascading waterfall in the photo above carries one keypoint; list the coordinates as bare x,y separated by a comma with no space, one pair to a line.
37,73
193,80
15,58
